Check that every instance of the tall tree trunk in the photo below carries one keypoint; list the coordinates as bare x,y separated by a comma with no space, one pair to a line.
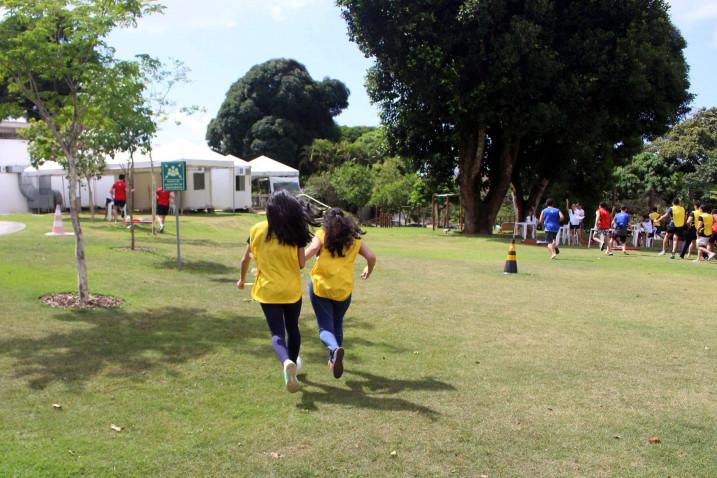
152,195
130,198
82,284
519,203
470,155
92,199
499,188
536,194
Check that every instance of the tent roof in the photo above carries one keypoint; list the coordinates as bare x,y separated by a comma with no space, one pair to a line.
195,157
267,167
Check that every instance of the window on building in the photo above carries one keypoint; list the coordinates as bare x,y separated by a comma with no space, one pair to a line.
199,181
240,183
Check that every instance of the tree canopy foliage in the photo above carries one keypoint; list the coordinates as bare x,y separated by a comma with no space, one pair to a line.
682,163
56,67
275,110
480,84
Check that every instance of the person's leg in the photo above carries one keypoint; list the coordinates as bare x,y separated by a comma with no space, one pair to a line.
665,241
675,244
325,320
291,321
274,314
339,309
687,245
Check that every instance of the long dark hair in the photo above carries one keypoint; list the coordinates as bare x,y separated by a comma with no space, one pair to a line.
289,221
340,231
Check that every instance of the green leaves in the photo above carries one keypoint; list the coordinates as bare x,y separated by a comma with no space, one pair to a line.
276,109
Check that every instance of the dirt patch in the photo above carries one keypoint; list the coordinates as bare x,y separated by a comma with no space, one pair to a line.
71,300
136,249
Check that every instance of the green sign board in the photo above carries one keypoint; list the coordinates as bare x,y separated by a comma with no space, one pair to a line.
174,176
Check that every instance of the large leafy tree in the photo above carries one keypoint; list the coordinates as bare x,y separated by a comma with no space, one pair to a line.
683,162
470,83
56,66
275,110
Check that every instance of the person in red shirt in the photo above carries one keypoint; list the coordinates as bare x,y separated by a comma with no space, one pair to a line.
602,228
164,199
118,191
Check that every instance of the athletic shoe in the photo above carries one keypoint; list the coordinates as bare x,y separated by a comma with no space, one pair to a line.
161,228
602,245
661,253
292,383
672,256
557,250
553,256
299,364
337,362
608,253
711,256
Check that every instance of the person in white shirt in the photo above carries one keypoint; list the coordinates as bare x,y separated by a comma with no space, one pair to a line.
580,213
647,229
532,223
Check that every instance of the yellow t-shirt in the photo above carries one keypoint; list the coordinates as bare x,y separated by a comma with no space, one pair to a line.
278,275
333,276
678,216
654,216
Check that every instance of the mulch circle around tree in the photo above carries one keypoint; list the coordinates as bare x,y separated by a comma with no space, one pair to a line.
71,300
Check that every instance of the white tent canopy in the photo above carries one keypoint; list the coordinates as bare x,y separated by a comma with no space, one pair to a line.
264,167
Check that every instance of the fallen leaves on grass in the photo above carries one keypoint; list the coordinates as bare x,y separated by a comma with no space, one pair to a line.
394,453
654,440
71,300
275,455
116,428
56,406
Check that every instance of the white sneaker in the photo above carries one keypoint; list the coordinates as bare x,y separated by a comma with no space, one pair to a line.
299,363
661,253
292,383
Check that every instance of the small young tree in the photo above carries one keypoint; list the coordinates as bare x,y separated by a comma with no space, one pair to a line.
53,53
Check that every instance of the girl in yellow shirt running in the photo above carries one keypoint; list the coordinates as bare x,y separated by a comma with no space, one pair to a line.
277,245
332,281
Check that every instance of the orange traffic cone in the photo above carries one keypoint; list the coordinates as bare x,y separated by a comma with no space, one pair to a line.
58,229
511,262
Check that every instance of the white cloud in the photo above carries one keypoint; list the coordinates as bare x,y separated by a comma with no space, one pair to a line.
281,10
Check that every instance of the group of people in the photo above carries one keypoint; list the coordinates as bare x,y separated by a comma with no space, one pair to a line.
281,245
117,201
696,228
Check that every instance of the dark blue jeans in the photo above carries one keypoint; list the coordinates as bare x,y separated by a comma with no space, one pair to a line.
330,317
283,320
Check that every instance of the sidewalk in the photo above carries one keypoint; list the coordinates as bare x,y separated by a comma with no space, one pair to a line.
7,227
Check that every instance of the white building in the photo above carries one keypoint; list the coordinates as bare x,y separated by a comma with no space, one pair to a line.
14,158
214,181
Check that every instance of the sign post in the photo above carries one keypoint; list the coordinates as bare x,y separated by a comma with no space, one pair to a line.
174,179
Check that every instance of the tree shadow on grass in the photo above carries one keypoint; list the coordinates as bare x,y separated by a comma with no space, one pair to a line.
371,392
224,280
199,267
125,343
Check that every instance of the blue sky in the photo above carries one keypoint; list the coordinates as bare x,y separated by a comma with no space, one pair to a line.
221,39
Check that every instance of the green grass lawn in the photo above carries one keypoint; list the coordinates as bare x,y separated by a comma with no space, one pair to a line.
566,369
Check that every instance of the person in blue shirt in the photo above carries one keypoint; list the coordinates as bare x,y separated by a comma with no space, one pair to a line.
551,218
620,225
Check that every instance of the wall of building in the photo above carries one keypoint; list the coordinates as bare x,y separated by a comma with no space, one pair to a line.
11,199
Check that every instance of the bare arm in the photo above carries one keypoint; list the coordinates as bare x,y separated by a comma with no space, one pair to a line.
313,248
245,261
540,221
370,257
301,256
562,216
